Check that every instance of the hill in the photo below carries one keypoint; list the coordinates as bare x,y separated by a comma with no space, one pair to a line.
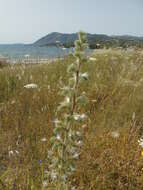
67,40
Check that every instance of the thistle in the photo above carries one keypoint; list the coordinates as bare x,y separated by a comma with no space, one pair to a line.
67,134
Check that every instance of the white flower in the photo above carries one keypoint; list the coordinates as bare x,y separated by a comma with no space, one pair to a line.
115,134
44,139
92,59
45,184
72,150
73,188
56,121
13,102
84,75
76,155
70,134
50,153
32,85
78,117
84,126
79,143
58,137
140,141
94,101
78,133
67,99
83,116
16,152
72,168
11,153
53,175
64,177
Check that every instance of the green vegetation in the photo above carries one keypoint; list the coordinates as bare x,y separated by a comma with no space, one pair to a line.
111,157
105,41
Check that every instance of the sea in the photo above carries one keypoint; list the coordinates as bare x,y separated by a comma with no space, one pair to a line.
20,51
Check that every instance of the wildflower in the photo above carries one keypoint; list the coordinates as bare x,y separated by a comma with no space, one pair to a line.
84,126
79,143
59,166
44,139
13,102
78,133
68,149
58,137
83,116
142,153
76,156
11,153
140,141
53,175
94,101
40,162
67,100
56,121
50,153
115,134
17,152
133,116
84,75
64,177
73,188
72,168
45,184
92,59
32,85
78,117
72,150
70,134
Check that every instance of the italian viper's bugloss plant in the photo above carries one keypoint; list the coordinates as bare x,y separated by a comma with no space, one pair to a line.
67,134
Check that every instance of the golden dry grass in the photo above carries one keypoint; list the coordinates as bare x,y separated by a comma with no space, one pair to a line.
115,91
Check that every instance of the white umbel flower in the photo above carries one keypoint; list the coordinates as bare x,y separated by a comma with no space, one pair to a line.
115,134
32,85
58,137
84,75
67,99
44,139
78,117
45,184
92,59
140,141
53,175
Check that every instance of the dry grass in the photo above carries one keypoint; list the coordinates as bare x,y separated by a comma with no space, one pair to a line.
115,91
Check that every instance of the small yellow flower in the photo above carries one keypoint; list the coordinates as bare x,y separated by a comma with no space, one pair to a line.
142,153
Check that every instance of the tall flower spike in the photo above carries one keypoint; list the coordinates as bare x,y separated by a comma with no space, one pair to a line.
67,137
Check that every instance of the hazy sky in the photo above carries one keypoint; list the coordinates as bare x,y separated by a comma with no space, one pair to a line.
28,20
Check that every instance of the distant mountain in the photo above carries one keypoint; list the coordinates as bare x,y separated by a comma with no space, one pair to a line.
67,40
55,37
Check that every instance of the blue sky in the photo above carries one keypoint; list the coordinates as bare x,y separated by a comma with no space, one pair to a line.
27,20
